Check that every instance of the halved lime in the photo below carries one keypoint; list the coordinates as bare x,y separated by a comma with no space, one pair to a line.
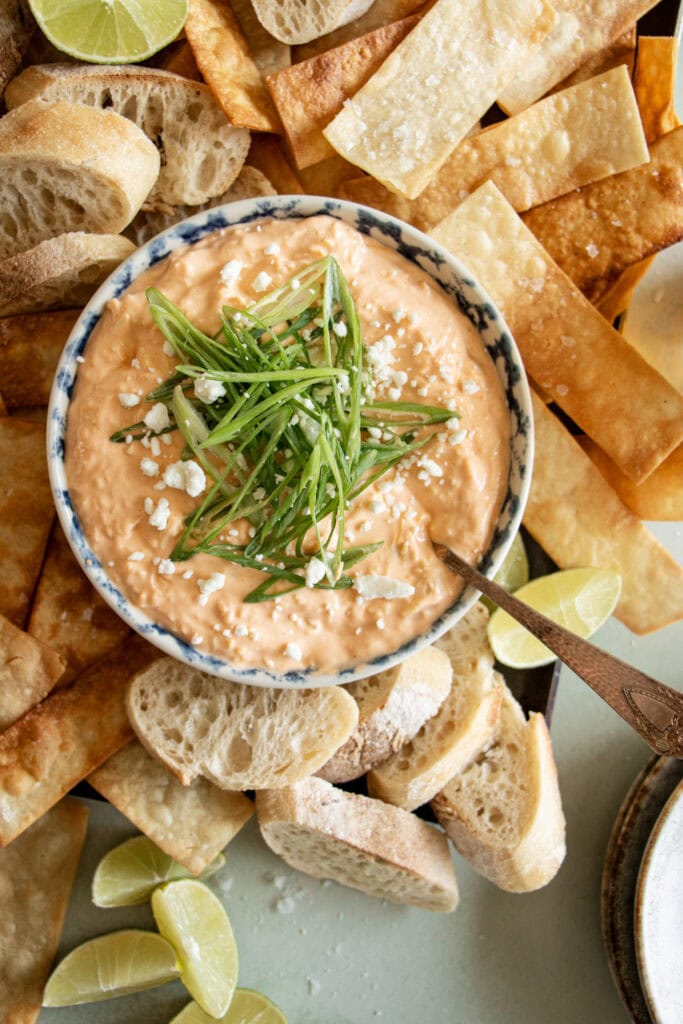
196,924
581,600
247,1007
111,965
110,31
514,572
130,873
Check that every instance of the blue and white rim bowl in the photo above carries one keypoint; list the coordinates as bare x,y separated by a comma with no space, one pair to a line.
396,235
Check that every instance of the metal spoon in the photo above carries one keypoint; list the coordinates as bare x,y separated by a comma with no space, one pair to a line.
654,710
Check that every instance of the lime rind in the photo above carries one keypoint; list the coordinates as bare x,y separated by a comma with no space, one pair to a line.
110,31
246,1007
514,570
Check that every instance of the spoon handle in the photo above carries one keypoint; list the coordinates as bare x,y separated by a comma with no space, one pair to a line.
654,710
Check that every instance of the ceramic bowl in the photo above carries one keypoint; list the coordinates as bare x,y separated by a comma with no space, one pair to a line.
447,271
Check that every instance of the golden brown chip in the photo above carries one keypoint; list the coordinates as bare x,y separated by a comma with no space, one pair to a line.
26,513
30,347
382,12
621,51
61,741
190,823
582,29
69,614
179,59
36,875
268,53
578,519
308,95
3,406
28,671
592,373
31,414
265,153
655,84
412,113
660,497
618,296
223,58
328,177
596,232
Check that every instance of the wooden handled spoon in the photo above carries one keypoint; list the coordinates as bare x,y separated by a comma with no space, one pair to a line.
654,710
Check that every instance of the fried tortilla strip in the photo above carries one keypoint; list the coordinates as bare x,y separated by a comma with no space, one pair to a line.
618,296
328,177
579,520
36,875
179,59
265,154
583,28
565,140
30,347
660,497
621,51
406,120
3,406
592,373
382,12
598,231
28,671
308,95
268,53
69,615
26,513
224,60
31,414
655,84
64,739
190,823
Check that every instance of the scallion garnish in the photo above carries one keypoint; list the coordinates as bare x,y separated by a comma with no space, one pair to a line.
294,434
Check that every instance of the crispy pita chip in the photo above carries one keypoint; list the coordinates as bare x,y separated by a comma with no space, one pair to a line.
578,519
28,671
69,614
268,53
265,153
328,177
382,12
61,741
621,51
308,95
595,233
406,120
26,514
190,823
582,29
655,84
588,368
30,347
223,58
660,497
569,139
36,875
179,59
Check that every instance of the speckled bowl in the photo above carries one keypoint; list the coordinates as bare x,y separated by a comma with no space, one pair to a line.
425,253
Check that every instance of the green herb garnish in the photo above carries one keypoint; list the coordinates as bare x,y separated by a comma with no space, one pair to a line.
294,434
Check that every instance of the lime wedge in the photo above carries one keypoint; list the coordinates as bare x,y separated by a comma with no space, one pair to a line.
196,924
514,572
110,31
581,600
111,965
130,873
247,1007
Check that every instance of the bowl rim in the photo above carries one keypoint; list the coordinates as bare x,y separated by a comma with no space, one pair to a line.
175,237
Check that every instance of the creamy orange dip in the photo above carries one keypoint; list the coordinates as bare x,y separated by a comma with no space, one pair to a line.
424,349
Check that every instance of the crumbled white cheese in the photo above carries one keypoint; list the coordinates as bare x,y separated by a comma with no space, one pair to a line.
446,373
340,329
241,631
470,387
431,467
129,400
262,281
216,581
315,571
136,556
157,418
159,515
166,567
373,586
230,272
186,476
294,652
207,390
458,436
167,349
149,467
272,249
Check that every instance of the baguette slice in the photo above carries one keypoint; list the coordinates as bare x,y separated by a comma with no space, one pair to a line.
237,736
393,706
504,812
359,842
60,272
299,21
201,153
65,167
461,728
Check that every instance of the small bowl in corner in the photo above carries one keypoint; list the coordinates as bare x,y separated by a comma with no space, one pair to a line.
421,250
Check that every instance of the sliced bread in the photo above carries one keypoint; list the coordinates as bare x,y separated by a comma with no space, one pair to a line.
392,708
299,21
65,167
359,842
201,153
237,736
504,812
60,272
148,223
461,728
